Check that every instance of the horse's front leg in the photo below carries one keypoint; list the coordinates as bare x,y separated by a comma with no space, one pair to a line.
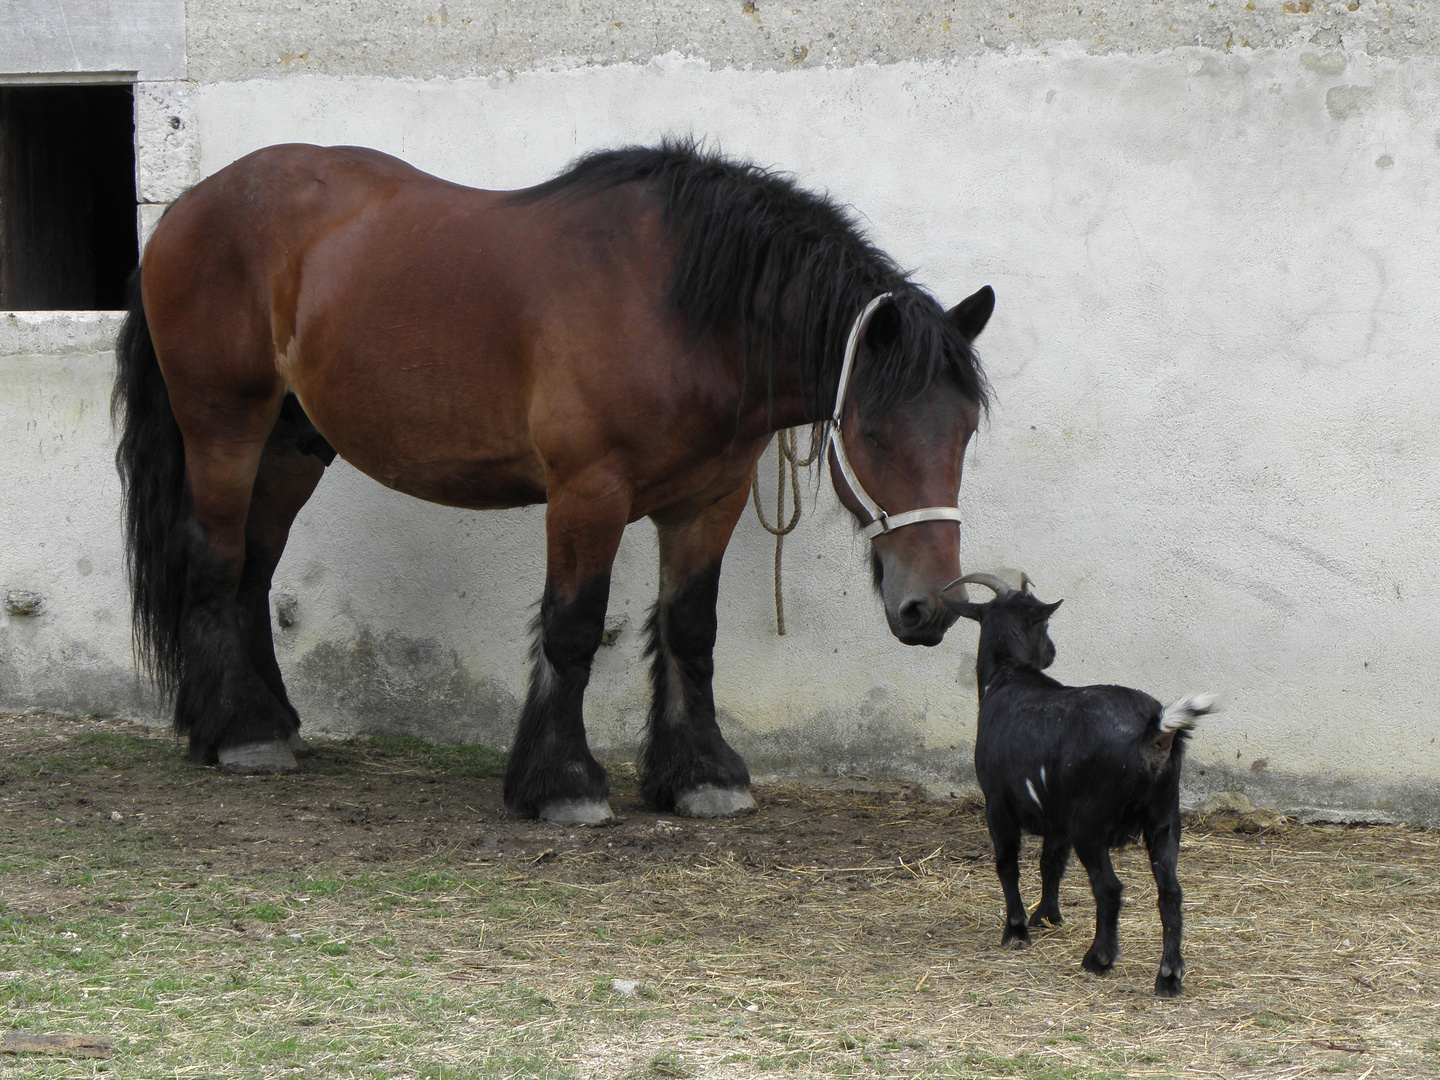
686,765
550,772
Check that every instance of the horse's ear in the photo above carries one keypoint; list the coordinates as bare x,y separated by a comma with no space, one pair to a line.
884,328
971,314
965,608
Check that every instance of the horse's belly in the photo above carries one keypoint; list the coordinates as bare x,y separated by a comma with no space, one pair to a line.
468,484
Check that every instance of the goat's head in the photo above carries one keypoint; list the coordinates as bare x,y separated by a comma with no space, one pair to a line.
1013,626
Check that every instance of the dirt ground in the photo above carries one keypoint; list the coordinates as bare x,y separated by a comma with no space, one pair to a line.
844,928
374,802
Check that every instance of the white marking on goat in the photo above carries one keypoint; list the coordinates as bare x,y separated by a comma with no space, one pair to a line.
1182,713
1043,782
1031,788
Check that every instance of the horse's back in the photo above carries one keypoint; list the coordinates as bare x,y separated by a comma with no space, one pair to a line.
268,204
463,345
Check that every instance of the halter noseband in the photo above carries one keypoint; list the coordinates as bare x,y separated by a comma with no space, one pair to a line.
880,522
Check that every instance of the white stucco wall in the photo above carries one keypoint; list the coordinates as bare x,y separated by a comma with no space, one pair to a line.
1215,431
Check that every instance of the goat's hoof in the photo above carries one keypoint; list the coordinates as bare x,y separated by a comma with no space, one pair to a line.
1167,980
1040,918
1097,963
1015,937
708,801
256,758
1168,986
577,812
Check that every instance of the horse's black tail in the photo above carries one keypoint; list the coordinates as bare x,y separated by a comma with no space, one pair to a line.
151,461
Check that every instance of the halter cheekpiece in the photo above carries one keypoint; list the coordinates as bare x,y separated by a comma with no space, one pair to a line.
880,522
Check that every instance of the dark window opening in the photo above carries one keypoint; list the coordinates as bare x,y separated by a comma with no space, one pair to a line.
67,196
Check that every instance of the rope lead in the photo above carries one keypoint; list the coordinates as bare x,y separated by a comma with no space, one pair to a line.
787,456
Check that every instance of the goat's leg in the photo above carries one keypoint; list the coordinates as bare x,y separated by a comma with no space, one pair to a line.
1107,888
1163,842
1054,857
1005,838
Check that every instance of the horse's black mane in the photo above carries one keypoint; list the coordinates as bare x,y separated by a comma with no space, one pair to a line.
763,257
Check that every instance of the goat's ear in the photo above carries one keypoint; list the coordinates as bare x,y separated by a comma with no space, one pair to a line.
971,314
966,609
1043,612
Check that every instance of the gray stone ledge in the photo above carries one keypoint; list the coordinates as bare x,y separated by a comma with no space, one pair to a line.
81,38
232,40
58,333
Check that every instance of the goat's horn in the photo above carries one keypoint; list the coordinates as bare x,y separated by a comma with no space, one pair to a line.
998,585
1026,585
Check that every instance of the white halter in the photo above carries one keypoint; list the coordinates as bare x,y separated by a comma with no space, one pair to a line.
880,522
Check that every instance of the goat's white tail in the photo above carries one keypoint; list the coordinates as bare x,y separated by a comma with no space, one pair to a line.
1181,714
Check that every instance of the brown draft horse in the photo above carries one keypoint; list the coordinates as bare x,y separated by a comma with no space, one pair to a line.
619,342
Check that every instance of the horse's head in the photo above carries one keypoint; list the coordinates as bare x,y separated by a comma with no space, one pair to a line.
913,403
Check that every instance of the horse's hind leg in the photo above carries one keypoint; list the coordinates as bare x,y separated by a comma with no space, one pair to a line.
291,465
686,764
550,772
231,716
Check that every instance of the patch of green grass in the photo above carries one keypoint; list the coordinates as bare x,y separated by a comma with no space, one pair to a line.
271,913
422,882
904,1044
475,762
976,1064
661,1067
92,751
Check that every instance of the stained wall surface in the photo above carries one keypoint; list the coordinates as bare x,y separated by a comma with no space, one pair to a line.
1215,431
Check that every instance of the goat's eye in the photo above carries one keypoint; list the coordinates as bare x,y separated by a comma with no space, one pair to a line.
874,439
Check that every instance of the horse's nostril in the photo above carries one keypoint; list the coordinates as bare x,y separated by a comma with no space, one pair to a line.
913,613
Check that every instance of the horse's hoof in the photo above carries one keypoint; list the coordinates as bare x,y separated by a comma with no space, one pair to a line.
707,800
577,812
298,746
260,757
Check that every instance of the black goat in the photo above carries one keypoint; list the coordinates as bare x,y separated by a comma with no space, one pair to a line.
1083,767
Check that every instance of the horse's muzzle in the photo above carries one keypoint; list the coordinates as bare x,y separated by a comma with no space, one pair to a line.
920,620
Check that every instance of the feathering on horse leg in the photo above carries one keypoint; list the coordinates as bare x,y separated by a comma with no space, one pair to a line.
686,765
231,716
550,772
